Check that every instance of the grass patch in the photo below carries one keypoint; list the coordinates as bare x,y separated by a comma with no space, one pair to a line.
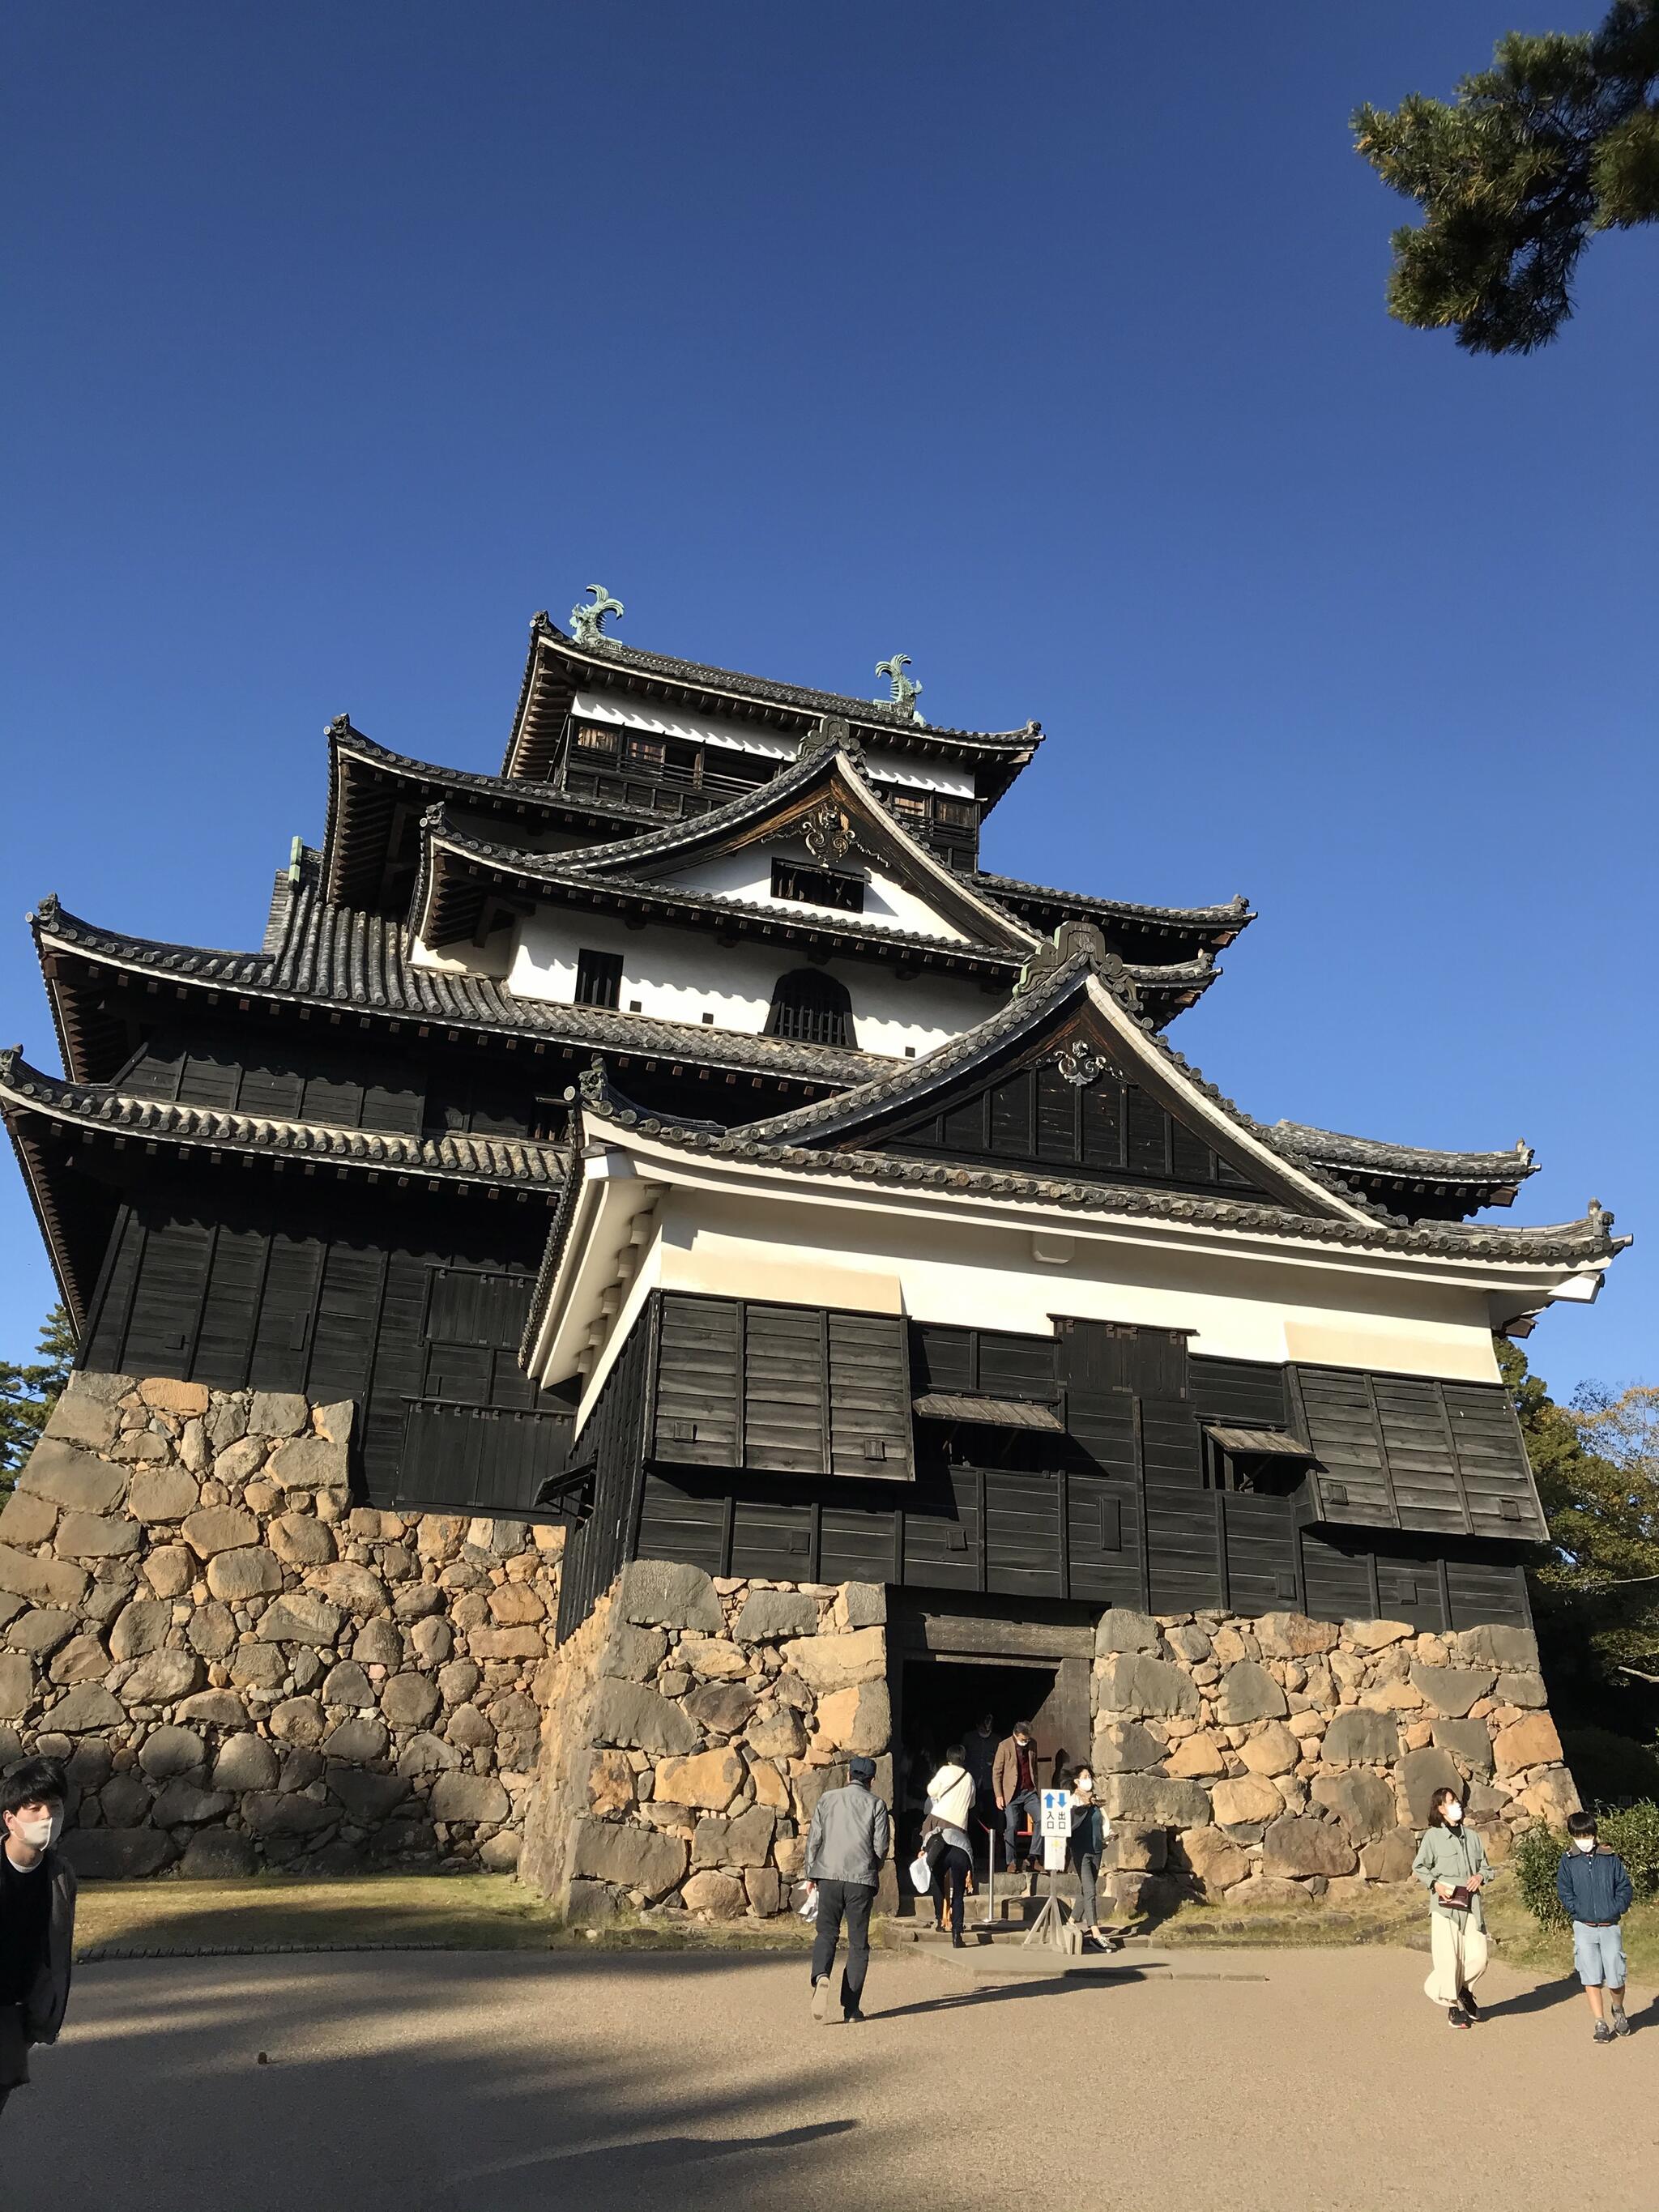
451,1912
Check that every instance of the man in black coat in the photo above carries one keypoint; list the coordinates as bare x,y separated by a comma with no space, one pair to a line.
37,1917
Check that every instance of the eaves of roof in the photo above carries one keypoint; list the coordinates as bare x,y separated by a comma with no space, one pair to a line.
1415,1163
1218,925
1561,1243
502,1161
340,958
1003,752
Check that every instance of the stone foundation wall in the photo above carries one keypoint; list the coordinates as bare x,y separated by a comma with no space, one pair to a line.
693,1725
1285,1757
239,1666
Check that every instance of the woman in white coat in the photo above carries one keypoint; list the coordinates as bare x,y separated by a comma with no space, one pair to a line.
951,1794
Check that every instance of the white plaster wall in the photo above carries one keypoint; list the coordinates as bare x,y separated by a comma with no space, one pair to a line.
657,720
493,958
747,874
1241,1307
679,975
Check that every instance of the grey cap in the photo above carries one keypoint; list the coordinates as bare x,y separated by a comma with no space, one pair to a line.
861,1770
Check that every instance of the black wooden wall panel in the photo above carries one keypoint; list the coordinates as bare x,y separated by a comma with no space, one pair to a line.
786,1389
869,1395
1022,1535
1182,1548
678,1524
1246,1394
1485,1591
1260,1551
478,1459
613,1436
1337,1575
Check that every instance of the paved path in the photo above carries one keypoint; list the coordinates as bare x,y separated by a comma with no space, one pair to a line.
497,2083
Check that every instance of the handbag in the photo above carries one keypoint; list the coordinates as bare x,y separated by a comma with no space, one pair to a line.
1461,1899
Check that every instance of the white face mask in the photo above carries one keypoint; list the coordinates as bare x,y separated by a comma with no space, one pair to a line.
1083,1785
1585,1843
1452,1813
39,1831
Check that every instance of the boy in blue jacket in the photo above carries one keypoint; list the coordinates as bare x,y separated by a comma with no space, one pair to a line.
1594,1889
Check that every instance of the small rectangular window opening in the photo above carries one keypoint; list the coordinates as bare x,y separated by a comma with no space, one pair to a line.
599,978
833,887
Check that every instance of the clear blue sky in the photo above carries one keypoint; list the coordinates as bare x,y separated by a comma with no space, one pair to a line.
1045,345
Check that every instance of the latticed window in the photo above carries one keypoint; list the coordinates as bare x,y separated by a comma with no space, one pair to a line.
811,1007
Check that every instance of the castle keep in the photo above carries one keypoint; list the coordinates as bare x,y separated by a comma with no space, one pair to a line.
663,1271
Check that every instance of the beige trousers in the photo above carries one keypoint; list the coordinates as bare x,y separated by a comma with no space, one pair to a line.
1459,1948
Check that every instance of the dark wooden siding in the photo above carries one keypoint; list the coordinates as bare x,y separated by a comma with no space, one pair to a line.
1111,1129
613,1439
1406,1452
781,1389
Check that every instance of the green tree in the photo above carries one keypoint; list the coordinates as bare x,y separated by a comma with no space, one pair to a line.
1596,1464
1559,138
28,1394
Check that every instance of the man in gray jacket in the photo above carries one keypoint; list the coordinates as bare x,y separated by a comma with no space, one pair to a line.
845,1848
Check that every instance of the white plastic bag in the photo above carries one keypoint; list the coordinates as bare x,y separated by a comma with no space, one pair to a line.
808,1910
922,1875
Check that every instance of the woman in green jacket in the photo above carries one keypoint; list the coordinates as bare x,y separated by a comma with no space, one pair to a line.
1452,1864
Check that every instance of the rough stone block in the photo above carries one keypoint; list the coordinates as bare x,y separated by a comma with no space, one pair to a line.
96,1536
83,1659
1166,1801
1272,1750
764,1887
1362,1802
80,1420
245,1762
183,1805
506,1642
467,1725
220,1529
277,1414
214,1709
1452,1690
1248,1693
1515,1650
1422,1772
359,1739
1120,1629
354,1589
27,1519
300,1540
72,1479
349,1685
217,1855
1356,1738
656,1594
43,1580
1126,1747
708,1779
1134,1684
721,1707
636,1718
17,1684
722,1896
1294,1845
299,1618
415,1601
117,1853
163,1394
41,1631
860,1605
169,1569
163,1493
1389,1857
766,1616
426,1753
211,1631
235,1577
1244,1801
140,1627
409,1700
309,1464
369,1797
1137,1849
828,1663
285,1812
1549,1796
1199,1756
1215,1861
166,1753
88,1705
777,1735
1529,1742
500,1853
631,1858
256,1665
161,1678
1469,1743
299,1720
744,1842
1521,1690
713,1658
515,1605
379,1643
630,1654
858,1721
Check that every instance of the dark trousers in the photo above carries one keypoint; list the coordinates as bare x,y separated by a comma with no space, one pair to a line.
854,1899
1088,1875
1030,1801
950,1872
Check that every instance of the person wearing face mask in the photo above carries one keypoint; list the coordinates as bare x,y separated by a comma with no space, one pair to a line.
1014,1782
37,1917
1452,1864
1595,1888
1089,1829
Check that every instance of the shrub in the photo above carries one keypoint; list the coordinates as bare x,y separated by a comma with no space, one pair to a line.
1605,1765
1632,1832
1537,1853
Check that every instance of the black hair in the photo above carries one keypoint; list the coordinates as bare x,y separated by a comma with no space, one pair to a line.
1437,1817
1580,1824
954,1754
36,1782
1021,1728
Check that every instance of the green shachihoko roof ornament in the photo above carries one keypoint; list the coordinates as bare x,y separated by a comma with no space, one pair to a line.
586,623
903,692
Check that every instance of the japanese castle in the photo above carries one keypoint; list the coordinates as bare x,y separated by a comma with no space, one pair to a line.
683,1137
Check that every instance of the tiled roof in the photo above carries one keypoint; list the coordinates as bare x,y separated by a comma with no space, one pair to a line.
1562,1244
500,1160
1411,1161
1223,921
336,957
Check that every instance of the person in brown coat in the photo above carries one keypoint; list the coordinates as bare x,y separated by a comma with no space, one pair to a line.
1014,1784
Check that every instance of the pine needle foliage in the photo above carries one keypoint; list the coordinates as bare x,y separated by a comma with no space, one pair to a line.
29,1393
1559,138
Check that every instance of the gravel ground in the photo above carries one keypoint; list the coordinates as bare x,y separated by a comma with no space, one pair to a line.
424,2081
